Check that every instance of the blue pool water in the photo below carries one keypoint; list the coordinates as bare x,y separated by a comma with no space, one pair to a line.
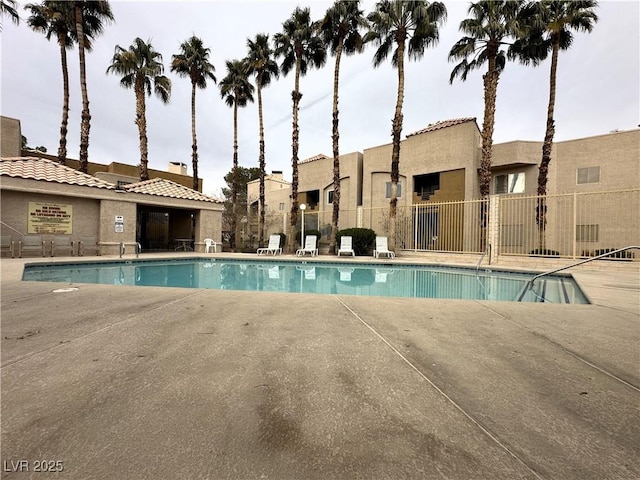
387,280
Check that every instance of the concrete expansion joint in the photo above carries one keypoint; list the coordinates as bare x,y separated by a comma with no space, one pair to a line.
473,420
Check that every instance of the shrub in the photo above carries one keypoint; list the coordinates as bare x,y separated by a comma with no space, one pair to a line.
363,239
307,233
545,252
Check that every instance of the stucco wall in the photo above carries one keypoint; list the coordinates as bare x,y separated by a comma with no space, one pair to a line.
14,212
450,148
617,154
10,137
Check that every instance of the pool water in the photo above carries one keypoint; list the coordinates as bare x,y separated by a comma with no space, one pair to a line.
386,280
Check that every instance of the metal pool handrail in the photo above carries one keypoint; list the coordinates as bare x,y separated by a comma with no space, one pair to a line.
530,284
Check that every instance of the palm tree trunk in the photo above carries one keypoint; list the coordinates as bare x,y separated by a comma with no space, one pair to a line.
396,131
141,122
85,123
194,142
234,187
296,95
490,93
336,152
543,171
261,164
62,148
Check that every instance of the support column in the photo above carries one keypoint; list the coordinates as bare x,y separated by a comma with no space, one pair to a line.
493,228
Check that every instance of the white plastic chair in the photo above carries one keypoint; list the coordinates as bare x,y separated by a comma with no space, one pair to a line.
273,247
382,248
310,246
346,246
209,244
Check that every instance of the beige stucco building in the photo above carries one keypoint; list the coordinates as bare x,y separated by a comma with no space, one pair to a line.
41,198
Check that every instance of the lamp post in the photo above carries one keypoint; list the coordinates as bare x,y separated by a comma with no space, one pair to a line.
303,207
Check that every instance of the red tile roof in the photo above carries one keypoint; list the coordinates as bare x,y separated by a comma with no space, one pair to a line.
49,171
166,188
320,156
443,124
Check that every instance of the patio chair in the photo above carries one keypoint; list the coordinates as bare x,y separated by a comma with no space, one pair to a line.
382,248
31,243
273,247
7,245
310,246
62,243
88,244
210,243
346,246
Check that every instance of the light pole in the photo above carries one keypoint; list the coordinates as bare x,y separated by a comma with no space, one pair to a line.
303,207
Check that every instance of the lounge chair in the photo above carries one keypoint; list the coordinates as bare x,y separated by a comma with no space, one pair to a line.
209,243
31,243
62,243
382,248
346,246
310,246
273,247
88,244
7,245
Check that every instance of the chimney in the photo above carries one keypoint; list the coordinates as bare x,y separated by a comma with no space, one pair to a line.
277,174
178,167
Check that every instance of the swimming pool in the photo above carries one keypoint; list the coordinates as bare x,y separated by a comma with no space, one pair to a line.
387,280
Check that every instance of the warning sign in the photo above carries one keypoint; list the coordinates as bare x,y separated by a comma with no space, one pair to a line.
50,218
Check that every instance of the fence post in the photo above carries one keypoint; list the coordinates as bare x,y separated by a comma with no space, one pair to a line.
575,222
493,228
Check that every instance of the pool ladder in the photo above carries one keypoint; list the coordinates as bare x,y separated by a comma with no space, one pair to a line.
137,246
530,283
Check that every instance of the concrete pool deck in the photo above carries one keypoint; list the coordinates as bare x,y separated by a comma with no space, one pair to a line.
154,383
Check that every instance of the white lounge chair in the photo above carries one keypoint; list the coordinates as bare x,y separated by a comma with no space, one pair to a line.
310,246
210,244
382,248
273,247
346,246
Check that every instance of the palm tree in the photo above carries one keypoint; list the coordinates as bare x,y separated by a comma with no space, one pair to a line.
237,91
552,23
490,26
300,46
92,14
193,62
411,26
141,66
56,19
9,7
340,30
260,62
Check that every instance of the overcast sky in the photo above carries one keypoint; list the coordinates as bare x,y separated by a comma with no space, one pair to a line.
597,92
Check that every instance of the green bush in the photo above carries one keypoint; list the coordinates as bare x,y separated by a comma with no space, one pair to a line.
307,233
363,239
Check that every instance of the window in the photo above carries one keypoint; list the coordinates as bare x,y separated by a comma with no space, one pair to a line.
587,233
398,191
510,183
330,197
281,206
588,175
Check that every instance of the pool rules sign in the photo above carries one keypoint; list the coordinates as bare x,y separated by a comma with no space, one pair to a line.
50,218
119,223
